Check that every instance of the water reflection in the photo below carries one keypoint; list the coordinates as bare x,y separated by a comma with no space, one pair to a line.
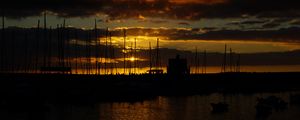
240,107
195,108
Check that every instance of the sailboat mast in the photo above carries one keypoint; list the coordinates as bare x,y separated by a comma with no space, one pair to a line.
13,61
67,46
150,58
62,45
37,47
224,59
25,64
135,55
96,52
89,52
230,60
105,53
196,60
238,64
2,43
130,63
45,40
124,51
75,50
50,45
58,45
157,54
111,54
204,62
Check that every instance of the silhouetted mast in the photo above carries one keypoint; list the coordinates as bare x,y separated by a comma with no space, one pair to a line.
204,62
25,64
3,22
45,40
97,48
230,60
13,36
37,47
67,32
238,64
196,60
59,45
76,52
81,57
224,60
124,52
130,63
2,43
105,53
157,54
50,45
150,57
89,53
135,55
63,38
111,54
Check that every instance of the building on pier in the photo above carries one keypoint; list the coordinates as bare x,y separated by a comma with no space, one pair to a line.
178,67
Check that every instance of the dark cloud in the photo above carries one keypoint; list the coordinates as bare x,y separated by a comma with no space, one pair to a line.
281,35
209,28
174,9
184,23
295,22
281,20
154,21
234,23
262,23
158,21
271,25
100,20
285,35
249,22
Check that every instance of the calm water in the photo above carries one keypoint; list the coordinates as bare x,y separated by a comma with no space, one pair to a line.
241,107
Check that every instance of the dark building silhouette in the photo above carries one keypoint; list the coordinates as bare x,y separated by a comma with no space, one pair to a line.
178,67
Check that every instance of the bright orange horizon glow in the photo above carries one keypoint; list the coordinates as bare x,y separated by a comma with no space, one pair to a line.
239,46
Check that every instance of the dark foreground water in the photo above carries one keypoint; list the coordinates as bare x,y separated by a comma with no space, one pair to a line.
240,107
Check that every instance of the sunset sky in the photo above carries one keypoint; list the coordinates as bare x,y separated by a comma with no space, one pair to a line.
204,22
246,26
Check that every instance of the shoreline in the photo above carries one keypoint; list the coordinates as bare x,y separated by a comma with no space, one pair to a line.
94,88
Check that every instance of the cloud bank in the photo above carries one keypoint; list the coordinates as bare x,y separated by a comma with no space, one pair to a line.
171,9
